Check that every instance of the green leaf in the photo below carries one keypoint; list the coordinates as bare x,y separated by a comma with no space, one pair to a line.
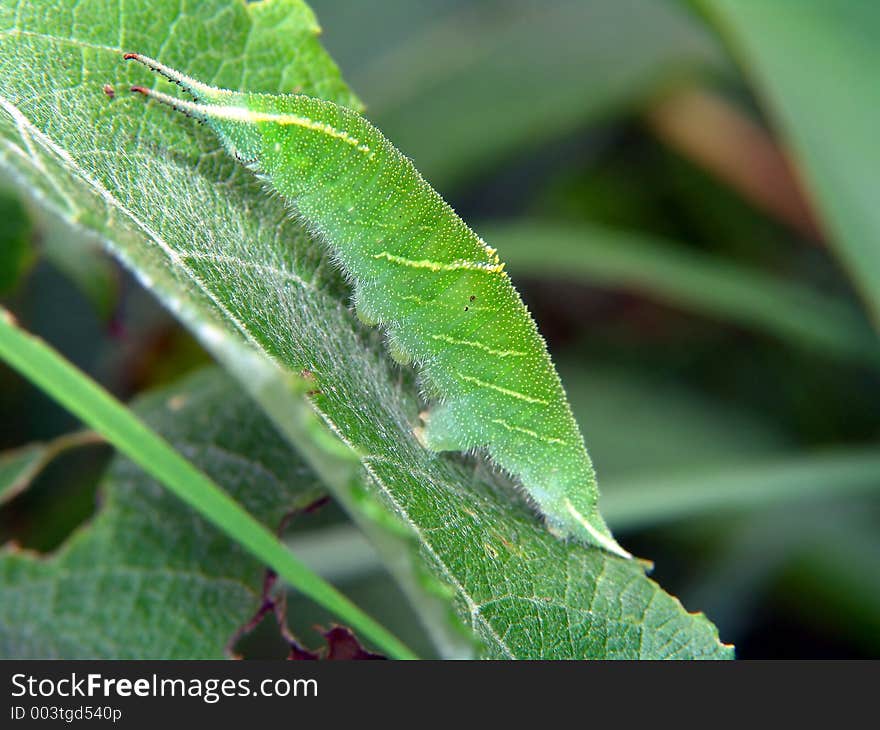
685,278
815,65
19,467
34,359
516,72
229,262
146,578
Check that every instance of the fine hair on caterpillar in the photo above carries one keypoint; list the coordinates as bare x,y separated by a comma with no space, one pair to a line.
438,290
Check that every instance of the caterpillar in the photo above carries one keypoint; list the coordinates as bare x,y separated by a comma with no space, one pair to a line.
440,292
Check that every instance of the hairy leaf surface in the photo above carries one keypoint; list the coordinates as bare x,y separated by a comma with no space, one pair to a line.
148,577
231,264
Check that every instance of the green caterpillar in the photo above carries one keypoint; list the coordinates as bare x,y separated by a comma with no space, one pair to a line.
440,292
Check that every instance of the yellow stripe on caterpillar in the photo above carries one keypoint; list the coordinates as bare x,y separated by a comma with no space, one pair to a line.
436,266
500,389
529,432
479,345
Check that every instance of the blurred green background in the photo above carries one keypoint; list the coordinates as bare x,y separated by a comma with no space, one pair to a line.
646,191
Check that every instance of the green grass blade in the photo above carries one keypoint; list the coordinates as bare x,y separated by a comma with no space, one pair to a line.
687,279
635,503
815,66
49,371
